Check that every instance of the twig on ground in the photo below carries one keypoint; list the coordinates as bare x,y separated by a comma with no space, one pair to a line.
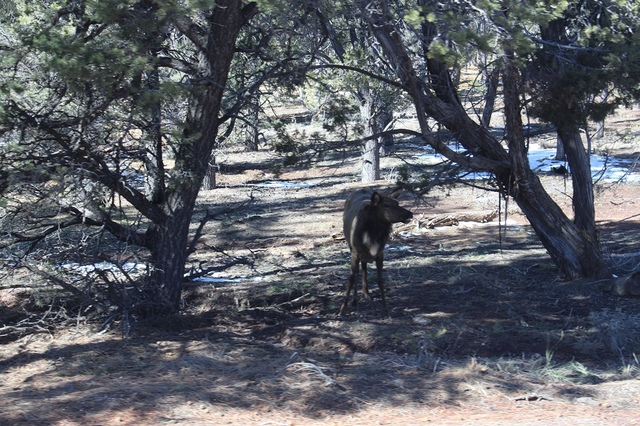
301,366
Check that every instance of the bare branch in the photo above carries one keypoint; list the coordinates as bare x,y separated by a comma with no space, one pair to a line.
55,280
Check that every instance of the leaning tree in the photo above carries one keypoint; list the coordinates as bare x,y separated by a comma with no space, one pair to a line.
419,41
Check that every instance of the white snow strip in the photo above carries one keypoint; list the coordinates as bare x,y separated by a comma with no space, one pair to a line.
279,184
218,280
104,266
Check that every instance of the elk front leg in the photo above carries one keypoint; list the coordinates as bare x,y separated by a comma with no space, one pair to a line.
355,261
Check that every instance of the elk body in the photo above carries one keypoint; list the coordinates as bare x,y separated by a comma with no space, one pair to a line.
368,217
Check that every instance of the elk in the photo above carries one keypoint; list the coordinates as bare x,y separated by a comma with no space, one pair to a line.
367,219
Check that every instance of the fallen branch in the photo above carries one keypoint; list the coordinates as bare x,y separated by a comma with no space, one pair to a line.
453,219
533,398
292,303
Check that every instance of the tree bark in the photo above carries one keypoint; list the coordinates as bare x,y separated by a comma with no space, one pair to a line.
384,119
154,165
154,184
209,182
578,159
250,128
371,161
169,243
371,148
599,134
492,81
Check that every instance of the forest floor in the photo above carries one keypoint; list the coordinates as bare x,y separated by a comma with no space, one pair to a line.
482,329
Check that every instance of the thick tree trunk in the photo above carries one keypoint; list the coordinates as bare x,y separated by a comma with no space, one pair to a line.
371,161
169,254
574,252
560,154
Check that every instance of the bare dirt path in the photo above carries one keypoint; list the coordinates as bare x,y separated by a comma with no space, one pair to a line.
97,380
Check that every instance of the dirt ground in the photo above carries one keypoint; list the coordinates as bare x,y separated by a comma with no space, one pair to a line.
482,329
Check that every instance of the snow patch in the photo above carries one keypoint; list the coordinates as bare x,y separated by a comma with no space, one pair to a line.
104,266
603,168
225,280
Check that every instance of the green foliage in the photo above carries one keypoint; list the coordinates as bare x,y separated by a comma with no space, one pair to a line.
414,181
340,113
442,53
289,146
587,53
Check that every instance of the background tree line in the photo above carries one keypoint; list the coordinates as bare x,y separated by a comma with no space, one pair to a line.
112,111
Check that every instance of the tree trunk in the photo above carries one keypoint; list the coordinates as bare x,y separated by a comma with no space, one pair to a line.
575,252
578,159
251,137
154,185
599,134
169,243
371,148
210,178
561,155
168,238
383,120
371,161
492,81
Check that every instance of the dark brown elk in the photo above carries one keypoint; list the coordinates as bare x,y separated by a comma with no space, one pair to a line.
368,217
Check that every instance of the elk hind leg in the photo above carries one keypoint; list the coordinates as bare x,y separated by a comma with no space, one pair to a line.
379,261
365,283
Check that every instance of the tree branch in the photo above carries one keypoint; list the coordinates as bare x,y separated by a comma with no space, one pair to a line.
36,238
94,216
176,64
360,71
194,32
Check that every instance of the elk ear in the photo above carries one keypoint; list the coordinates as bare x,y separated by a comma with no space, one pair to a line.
396,192
375,198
